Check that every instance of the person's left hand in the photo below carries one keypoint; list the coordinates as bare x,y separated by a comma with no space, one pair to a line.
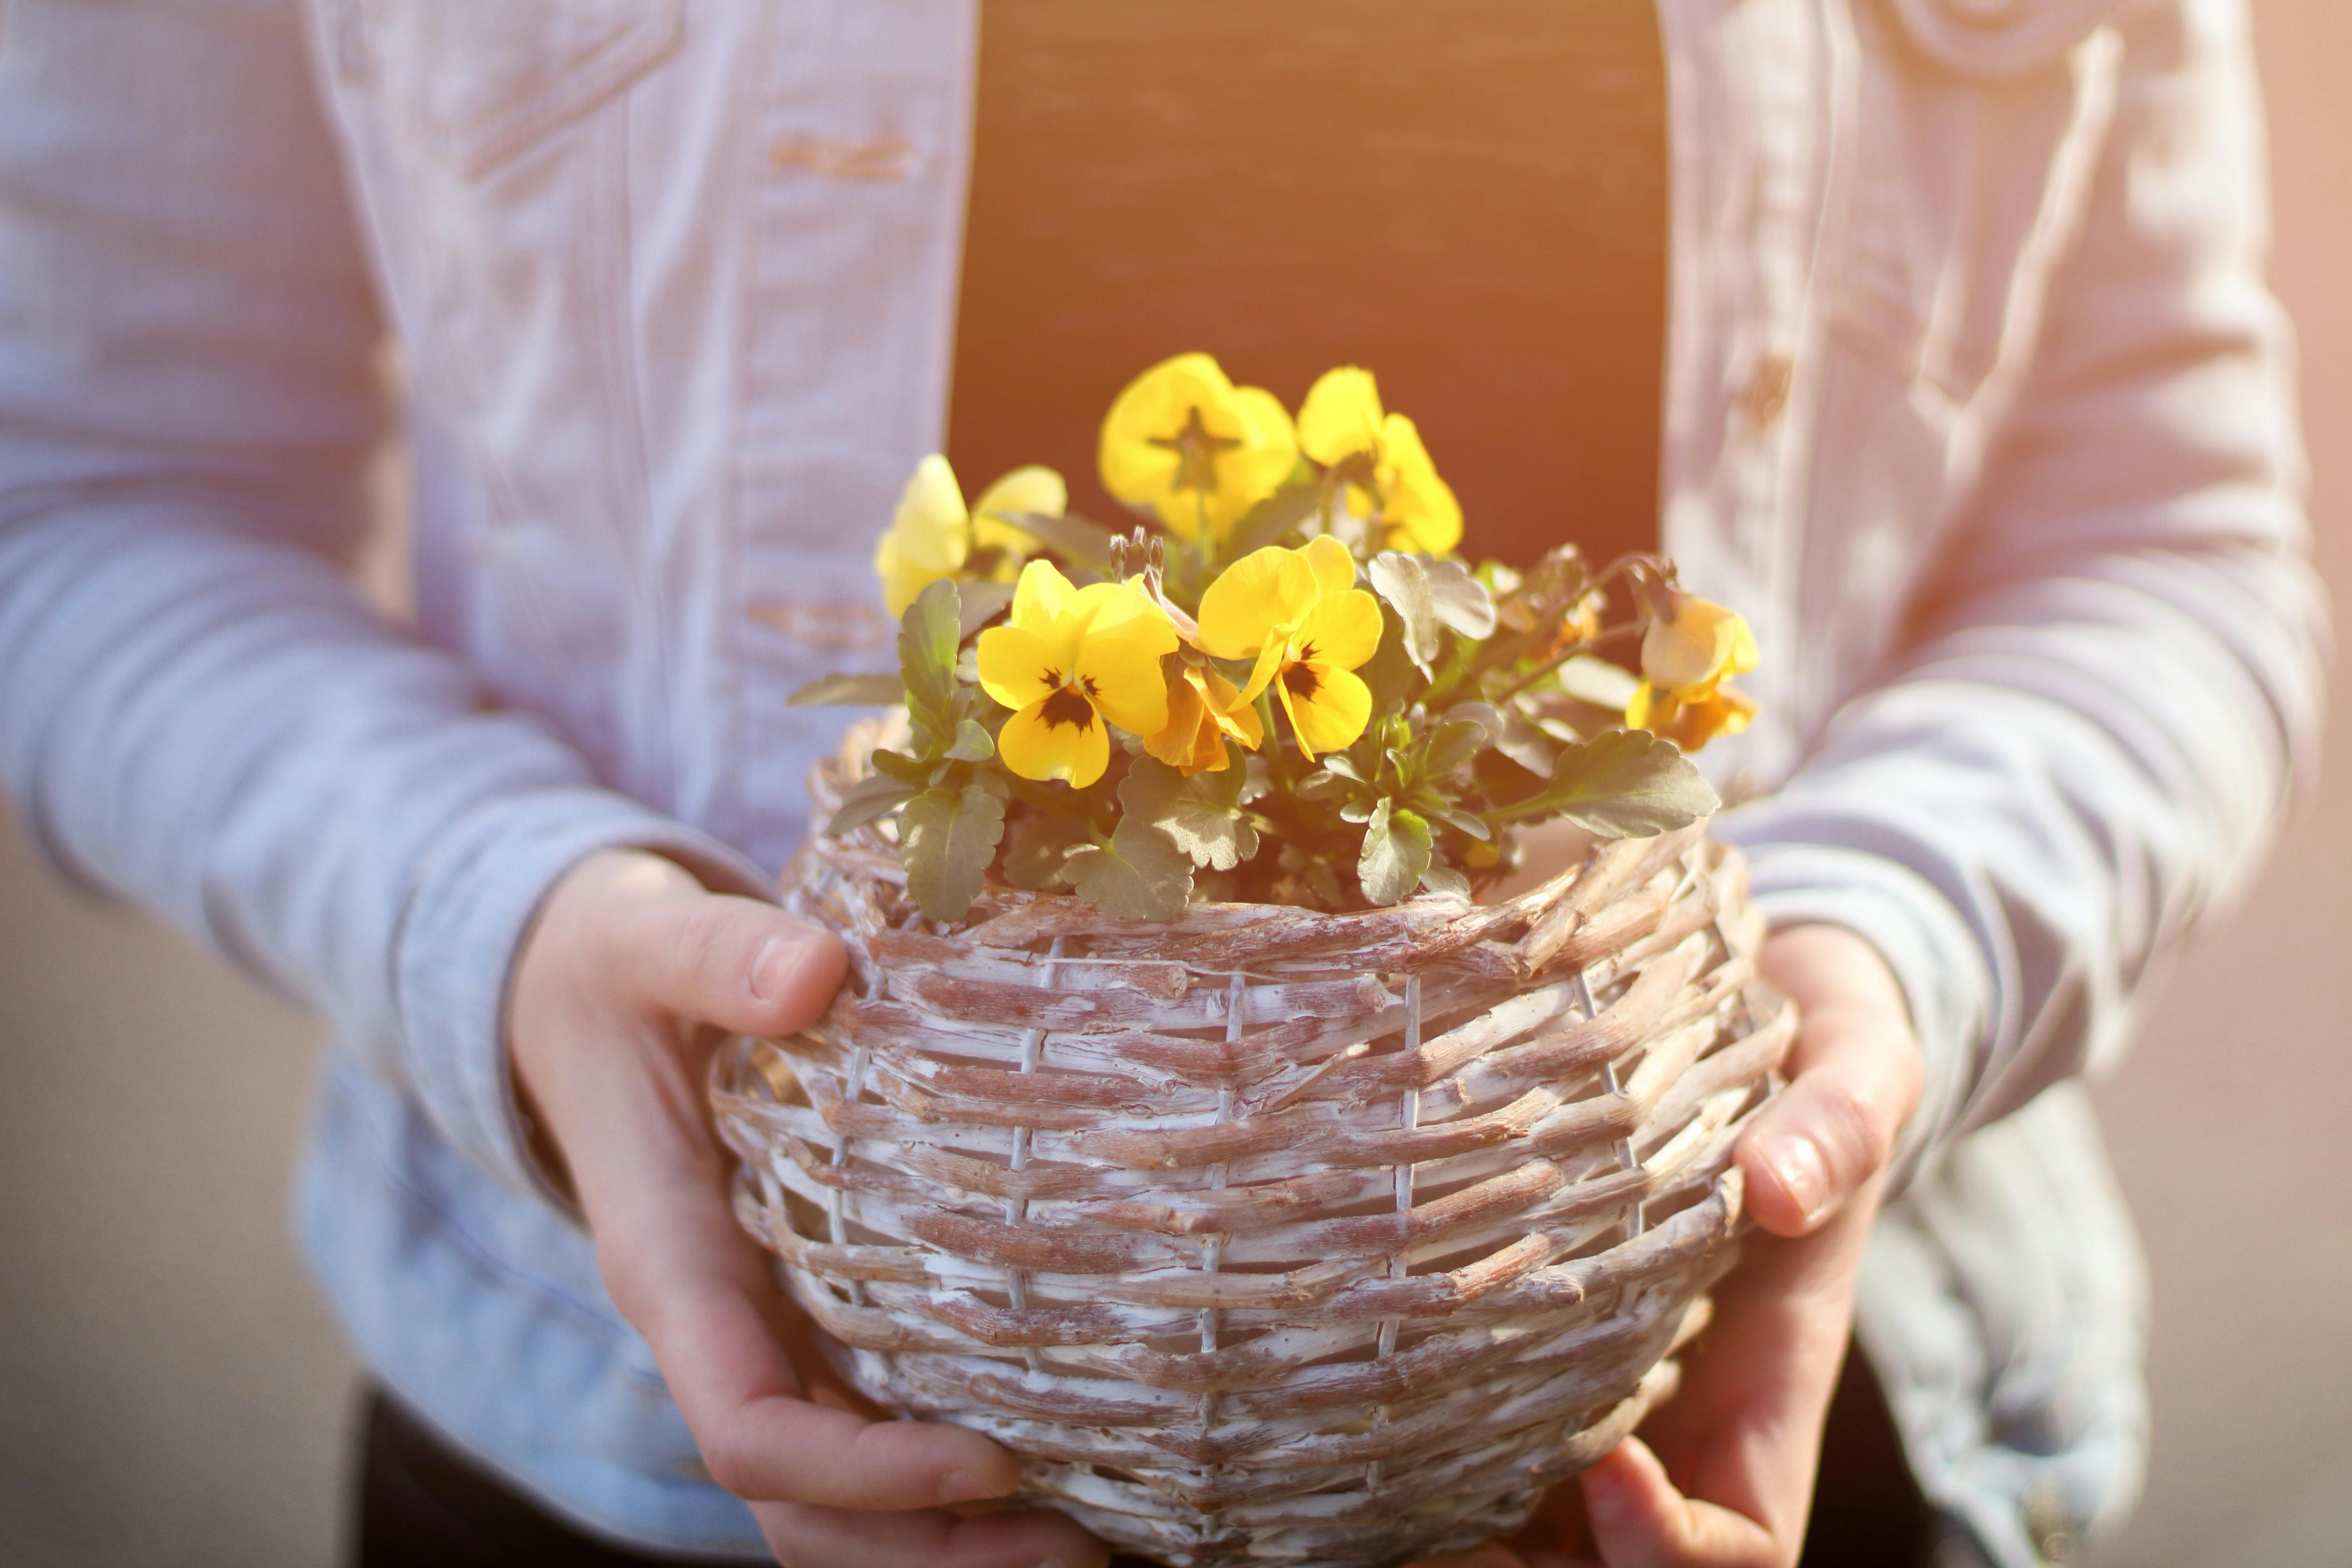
1725,1477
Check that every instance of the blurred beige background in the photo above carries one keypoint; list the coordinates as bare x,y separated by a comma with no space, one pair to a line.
173,1391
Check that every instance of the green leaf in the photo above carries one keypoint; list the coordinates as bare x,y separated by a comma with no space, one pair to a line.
1596,680
1072,538
927,634
1321,785
878,795
982,603
1395,854
1403,581
950,840
849,691
1444,879
1033,859
972,742
1450,745
907,770
1273,519
1140,873
1459,600
1436,807
1200,815
1623,784
1390,672
1526,744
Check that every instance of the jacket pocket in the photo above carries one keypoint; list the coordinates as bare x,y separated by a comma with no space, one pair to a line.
477,81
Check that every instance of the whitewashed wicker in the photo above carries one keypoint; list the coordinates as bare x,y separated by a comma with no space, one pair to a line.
1267,1236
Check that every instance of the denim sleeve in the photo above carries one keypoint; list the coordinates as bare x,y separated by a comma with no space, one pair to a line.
196,709
2092,735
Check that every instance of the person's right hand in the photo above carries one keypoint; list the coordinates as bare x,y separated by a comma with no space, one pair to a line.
631,975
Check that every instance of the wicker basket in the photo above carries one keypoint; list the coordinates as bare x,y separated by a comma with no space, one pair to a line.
1267,1236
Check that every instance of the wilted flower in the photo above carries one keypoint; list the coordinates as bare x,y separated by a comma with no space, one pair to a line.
1689,648
1204,709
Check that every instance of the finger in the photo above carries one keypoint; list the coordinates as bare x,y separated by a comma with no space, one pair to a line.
748,967
685,1274
1833,1127
805,1537
1745,1429
1640,1520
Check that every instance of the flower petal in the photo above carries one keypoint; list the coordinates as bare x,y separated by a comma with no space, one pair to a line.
1265,590
1342,416
1032,489
1642,709
1415,502
1063,748
1334,567
1344,630
1235,714
1177,741
902,580
1331,715
1042,598
1152,408
1119,665
932,530
1254,470
1695,644
1018,667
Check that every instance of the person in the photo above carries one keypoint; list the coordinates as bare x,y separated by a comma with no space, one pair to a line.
1972,396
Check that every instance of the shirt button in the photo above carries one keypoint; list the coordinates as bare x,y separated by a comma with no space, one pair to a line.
1768,389
2051,1523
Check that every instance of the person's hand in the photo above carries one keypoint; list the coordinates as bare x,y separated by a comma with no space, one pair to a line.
631,975
1725,1477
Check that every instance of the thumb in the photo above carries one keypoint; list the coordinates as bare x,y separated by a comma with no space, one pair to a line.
1854,1080
702,957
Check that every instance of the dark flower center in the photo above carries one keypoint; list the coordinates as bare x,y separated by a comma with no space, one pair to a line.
1066,706
1300,680
1196,450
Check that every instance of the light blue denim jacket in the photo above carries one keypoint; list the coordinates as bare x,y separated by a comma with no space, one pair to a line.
1975,401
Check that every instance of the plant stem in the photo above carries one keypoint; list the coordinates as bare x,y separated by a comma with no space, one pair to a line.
1553,663
1274,759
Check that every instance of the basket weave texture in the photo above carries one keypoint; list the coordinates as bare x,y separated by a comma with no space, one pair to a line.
1266,1236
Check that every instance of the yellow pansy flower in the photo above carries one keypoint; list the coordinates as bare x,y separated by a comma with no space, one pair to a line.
932,534
1723,711
1072,661
1204,709
1298,615
1690,648
1342,418
1185,442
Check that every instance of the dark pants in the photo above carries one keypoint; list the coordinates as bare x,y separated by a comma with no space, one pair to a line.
421,1505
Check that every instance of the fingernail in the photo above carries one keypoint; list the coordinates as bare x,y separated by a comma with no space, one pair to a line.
962,1485
1797,1161
767,972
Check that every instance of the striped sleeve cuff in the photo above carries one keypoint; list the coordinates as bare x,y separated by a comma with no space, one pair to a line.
1924,941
